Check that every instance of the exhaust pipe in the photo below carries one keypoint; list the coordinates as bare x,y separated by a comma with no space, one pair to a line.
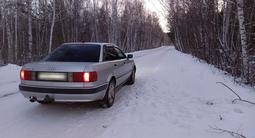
48,99
32,99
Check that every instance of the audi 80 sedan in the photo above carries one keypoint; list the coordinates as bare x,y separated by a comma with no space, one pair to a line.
78,72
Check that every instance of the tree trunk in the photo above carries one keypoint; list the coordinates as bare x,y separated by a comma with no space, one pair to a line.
242,30
16,33
3,42
114,22
95,31
30,35
10,44
52,25
3,35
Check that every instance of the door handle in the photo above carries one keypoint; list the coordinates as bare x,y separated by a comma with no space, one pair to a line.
115,65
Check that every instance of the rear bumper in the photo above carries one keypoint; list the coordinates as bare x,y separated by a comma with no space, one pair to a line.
65,95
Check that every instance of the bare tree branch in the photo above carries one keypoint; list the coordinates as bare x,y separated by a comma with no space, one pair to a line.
239,97
232,133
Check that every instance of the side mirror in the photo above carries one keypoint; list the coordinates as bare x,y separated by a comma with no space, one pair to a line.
130,56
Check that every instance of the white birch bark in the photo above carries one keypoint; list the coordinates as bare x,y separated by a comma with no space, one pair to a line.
242,30
52,25
227,7
114,22
226,23
95,31
30,35
3,34
10,41
16,33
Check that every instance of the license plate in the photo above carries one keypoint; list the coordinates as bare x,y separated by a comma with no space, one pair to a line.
46,76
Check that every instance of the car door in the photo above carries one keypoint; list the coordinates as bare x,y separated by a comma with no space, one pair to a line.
112,57
127,69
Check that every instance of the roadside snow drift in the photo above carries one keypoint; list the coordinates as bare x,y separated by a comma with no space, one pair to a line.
9,79
174,96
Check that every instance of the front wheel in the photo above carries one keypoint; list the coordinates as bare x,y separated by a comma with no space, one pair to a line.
109,97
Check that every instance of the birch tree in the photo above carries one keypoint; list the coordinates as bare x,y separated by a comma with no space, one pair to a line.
114,22
3,31
95,22
16,32
242,31
222,35
33,28
52,24
30,33
8,23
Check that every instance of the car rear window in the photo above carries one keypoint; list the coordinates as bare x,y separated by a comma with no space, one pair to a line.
75,53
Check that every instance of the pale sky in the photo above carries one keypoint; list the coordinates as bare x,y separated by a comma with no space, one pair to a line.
157,7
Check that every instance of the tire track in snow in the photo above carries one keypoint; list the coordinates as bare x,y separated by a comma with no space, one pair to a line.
8,94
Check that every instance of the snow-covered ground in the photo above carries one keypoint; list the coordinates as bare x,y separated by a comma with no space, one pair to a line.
9,78
174,96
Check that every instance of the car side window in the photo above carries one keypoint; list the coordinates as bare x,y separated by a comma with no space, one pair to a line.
121,54
112,53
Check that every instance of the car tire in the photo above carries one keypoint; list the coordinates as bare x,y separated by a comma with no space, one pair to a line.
109,97
131,79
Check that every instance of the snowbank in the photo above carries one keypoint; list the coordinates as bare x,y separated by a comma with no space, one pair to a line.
9,79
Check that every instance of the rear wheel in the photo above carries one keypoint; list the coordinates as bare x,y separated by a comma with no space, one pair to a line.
109,97
131,80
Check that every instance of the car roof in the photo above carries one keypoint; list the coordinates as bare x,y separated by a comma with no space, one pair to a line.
92,43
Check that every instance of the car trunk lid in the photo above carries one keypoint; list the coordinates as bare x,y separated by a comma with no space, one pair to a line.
55,74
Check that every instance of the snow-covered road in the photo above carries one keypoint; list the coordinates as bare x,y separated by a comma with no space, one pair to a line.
174,96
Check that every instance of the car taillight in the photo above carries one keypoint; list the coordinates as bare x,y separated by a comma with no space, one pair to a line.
84,77
25,75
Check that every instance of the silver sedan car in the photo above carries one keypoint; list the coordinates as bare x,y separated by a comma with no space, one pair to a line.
78,72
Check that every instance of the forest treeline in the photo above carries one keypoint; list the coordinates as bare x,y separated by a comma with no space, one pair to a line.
30,29
221,32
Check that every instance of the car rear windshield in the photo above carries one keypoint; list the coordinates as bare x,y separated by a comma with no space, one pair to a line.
75,53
